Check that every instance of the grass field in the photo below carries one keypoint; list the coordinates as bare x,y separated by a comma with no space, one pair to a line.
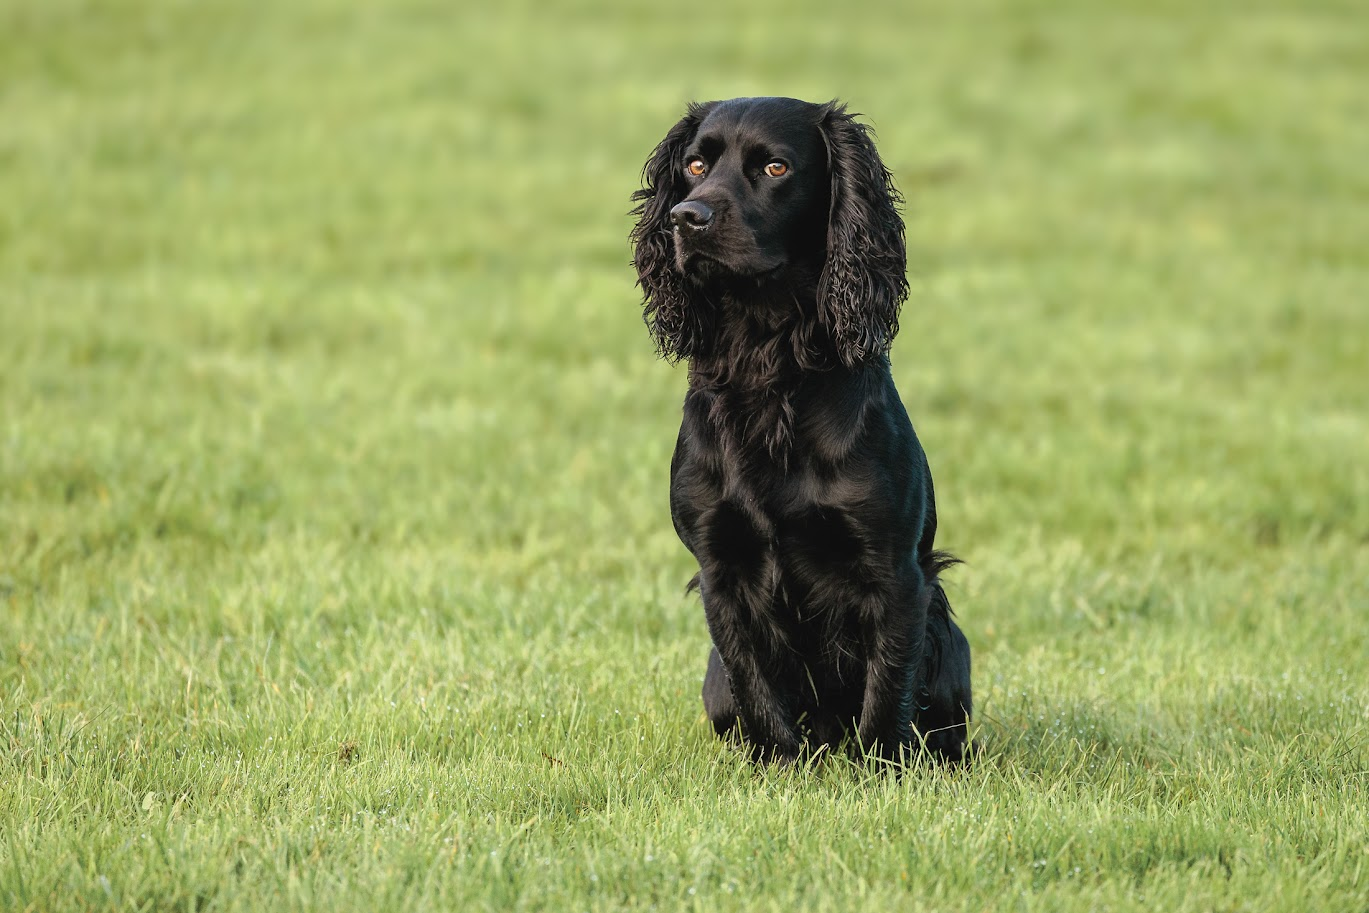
336,568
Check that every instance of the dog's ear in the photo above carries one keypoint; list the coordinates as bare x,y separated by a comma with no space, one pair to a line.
674,320
864,281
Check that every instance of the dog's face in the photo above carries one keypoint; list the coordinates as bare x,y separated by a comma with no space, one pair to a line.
744,192
757,191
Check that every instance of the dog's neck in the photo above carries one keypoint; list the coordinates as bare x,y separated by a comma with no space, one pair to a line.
763,344
762,335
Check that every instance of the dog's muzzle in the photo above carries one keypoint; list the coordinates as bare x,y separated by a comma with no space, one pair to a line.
691,217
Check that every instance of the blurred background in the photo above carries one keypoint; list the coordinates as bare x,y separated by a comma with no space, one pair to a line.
339,273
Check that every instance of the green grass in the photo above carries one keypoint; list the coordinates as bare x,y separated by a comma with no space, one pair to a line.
336,568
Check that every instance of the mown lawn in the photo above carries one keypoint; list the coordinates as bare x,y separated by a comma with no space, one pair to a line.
336,569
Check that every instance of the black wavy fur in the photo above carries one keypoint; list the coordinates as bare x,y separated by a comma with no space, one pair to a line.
770,254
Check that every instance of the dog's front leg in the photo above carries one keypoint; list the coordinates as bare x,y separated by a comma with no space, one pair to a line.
886,714
765,719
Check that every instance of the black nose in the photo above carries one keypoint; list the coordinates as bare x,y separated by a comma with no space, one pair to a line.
692,216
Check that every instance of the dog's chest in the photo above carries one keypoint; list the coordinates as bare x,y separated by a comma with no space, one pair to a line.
761,514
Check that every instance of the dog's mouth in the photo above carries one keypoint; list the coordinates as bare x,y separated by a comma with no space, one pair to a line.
702,262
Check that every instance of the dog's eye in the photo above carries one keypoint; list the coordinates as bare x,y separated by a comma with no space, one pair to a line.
777,169
696,167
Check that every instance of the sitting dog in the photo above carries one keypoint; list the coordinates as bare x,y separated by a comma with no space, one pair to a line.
771,257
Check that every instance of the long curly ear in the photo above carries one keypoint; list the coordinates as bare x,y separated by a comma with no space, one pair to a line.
864,281
675,320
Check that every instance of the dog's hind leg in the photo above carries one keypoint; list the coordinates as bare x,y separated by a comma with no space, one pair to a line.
944,700
719,704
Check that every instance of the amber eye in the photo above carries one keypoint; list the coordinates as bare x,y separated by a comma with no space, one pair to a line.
777,169
696,167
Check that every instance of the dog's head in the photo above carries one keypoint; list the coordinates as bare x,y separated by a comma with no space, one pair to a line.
752,191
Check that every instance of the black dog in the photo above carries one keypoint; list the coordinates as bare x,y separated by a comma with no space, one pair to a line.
771,256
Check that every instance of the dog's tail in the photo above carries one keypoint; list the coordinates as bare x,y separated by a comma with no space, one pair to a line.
933,562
